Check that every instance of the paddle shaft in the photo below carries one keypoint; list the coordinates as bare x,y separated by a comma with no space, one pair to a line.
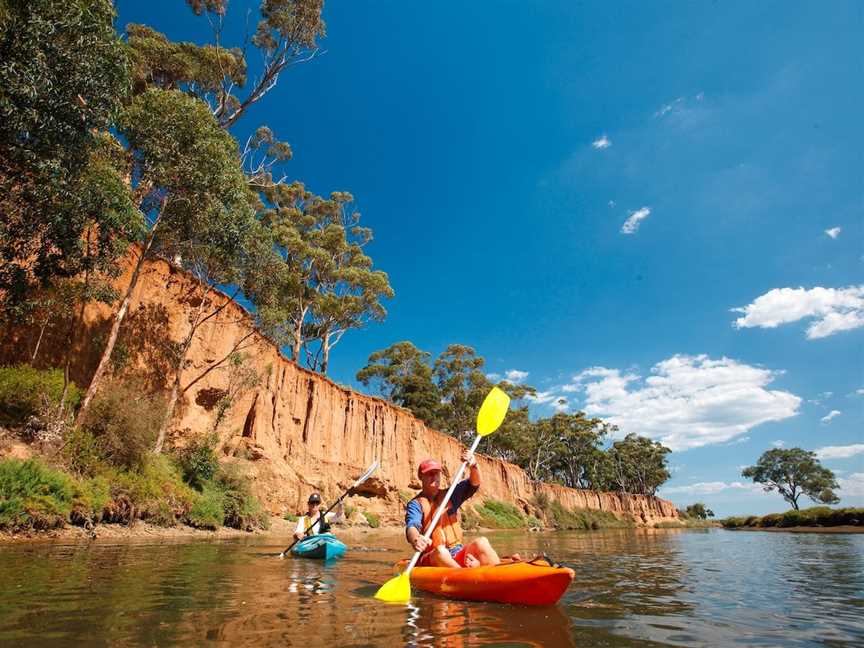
321,516
440,511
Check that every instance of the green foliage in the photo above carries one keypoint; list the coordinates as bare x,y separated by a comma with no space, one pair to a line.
817,516
27,392
698,511
81,453
154,491
242,510
63,77
293,517
500,515
402,375
33,496
542,501
373,519
405,496
208,509
637,465
584,519
793,472
123,421
199,461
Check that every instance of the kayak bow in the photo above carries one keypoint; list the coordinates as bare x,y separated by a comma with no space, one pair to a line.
322,546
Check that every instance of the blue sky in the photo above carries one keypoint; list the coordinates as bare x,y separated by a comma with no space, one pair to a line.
585,192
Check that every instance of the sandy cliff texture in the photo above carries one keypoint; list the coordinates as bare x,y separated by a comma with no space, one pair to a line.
296,430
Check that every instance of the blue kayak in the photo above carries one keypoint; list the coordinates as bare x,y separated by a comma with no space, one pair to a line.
322,546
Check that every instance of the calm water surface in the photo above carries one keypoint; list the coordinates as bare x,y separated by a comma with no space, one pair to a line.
647,588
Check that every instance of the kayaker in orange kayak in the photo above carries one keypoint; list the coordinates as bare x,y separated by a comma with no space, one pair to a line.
445,548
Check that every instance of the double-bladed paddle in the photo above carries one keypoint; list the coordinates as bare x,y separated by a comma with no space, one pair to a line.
359,481
489,419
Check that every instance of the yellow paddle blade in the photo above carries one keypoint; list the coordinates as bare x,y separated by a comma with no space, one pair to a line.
396,590
492,411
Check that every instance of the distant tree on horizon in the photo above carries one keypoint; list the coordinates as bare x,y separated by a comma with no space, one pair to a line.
794,472
698,511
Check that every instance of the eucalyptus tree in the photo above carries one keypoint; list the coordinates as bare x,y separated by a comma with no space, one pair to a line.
401,373
186,177
637,465
793,472
463,385
349,291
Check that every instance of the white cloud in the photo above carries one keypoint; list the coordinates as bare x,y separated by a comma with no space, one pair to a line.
834,232
632,224
561,405
744,439
542,397
831,415
515,376
852,486
834,309
612,203
778,444
493,376
601,143
688,401
860,392
667,108
709,488
840,452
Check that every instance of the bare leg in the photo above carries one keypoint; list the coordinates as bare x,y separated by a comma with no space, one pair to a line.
484,552
441,558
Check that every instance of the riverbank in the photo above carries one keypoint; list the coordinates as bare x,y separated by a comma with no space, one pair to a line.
803,529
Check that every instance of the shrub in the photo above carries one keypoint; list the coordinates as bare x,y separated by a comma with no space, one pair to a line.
33,496
81,453
199,461
154,491
373,519
500,515
405,496
26,392
771,520
207,511
469,518
124,421
242,509
293,517
542,501
91,497
584,519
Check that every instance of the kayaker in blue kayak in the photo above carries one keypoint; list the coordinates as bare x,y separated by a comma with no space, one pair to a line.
445,548
313,512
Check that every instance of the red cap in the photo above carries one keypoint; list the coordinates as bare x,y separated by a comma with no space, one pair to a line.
428,465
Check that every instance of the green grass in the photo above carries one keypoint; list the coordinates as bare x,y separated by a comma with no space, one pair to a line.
26,392
500,515
373,519
821,516
405,496
584,519
33,496
686,523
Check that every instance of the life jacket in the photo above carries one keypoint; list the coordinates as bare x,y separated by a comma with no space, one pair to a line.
323,525
448,531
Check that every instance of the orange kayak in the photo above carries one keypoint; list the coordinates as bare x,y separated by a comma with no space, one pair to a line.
517,583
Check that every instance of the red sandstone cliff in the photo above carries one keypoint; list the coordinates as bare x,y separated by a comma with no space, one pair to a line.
296,430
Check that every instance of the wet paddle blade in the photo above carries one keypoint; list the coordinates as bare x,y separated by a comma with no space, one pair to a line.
396,590
492,412
367,474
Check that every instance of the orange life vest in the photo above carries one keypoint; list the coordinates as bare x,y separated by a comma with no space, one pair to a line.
448,531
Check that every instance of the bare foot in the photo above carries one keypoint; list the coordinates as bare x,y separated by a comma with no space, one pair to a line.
471,561
516,557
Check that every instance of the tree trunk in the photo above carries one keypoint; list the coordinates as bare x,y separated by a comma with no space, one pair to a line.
326,355
118,320
39,340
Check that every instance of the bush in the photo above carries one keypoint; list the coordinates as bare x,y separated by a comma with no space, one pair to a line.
26,392
154,492
199,461
500,515
81,453
291,517
242,509
373,519
584,519
92,496
542,501
207,511
405,496
124,421
33,496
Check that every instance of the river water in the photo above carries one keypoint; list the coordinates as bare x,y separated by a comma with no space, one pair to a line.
632,587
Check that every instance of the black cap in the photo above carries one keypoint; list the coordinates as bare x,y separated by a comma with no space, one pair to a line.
314,498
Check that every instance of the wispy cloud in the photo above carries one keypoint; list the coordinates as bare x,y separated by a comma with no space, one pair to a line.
833,309
834,232
493,376
631,225
669,107
601,143
688,401
852,486
709,488
779,443
515,376
831,415
611,203
543,397
840,452
738,441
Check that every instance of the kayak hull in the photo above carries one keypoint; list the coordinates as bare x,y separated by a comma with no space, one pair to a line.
517,583
323,546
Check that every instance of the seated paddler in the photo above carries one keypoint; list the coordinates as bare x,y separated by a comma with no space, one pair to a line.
446,547
314,520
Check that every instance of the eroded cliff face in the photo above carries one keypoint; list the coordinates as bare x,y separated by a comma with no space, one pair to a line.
295,430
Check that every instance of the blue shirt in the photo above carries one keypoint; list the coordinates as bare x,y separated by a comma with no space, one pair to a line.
414,513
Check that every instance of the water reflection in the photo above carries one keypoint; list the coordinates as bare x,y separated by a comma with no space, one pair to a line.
654,588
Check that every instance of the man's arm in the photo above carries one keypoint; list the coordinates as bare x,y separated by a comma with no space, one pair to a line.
414,526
